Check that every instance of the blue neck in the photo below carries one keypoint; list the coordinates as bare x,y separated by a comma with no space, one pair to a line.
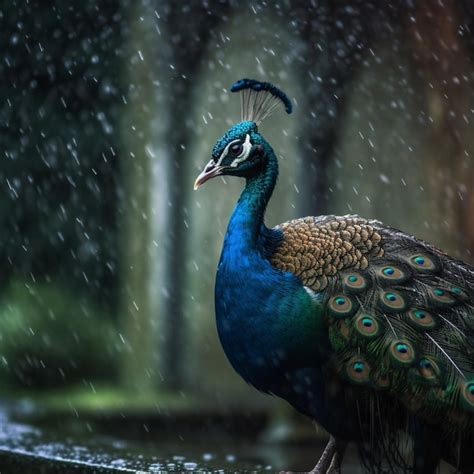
246,222
257,302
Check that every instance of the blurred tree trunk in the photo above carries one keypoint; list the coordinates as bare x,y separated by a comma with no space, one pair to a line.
136,229
444,74
323,108
187,52
337,39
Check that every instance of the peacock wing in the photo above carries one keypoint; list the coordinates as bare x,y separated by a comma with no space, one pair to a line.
400,313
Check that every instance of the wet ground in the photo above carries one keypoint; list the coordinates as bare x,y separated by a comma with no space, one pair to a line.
34,442
51,445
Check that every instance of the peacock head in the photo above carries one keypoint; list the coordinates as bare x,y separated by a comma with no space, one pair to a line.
242,150
239,152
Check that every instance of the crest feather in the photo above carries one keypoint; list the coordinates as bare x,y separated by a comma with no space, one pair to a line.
259,100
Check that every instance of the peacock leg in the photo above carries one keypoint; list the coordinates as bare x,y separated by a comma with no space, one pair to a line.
336,461
330,460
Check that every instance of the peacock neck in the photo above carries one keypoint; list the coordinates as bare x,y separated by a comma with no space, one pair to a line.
247,220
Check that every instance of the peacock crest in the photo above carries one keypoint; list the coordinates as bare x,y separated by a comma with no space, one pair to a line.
259,100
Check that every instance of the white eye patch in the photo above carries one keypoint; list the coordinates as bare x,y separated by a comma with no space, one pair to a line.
246,147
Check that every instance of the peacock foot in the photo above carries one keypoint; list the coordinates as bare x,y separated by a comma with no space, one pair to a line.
335,466
331,459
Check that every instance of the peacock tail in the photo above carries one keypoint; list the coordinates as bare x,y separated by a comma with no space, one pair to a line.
400,318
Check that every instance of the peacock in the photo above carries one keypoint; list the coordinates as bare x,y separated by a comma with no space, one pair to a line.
365,329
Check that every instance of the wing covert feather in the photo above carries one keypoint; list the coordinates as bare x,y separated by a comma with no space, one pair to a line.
316,249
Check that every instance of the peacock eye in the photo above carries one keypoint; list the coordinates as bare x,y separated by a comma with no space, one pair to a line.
236,149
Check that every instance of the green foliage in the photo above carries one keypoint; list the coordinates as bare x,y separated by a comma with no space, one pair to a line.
49,336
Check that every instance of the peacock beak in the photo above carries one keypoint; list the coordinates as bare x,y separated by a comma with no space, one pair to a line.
210,171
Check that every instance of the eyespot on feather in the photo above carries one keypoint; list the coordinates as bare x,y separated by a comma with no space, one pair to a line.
366,325
344,329
421,319
459,293
429,370
423,263
341,306
380,381
392,301
467,395
441,295
391,274
402,352
357,370
354,282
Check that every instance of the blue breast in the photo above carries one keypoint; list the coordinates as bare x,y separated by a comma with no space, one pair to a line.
267,322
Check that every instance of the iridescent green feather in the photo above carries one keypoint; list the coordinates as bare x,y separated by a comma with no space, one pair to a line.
404,327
